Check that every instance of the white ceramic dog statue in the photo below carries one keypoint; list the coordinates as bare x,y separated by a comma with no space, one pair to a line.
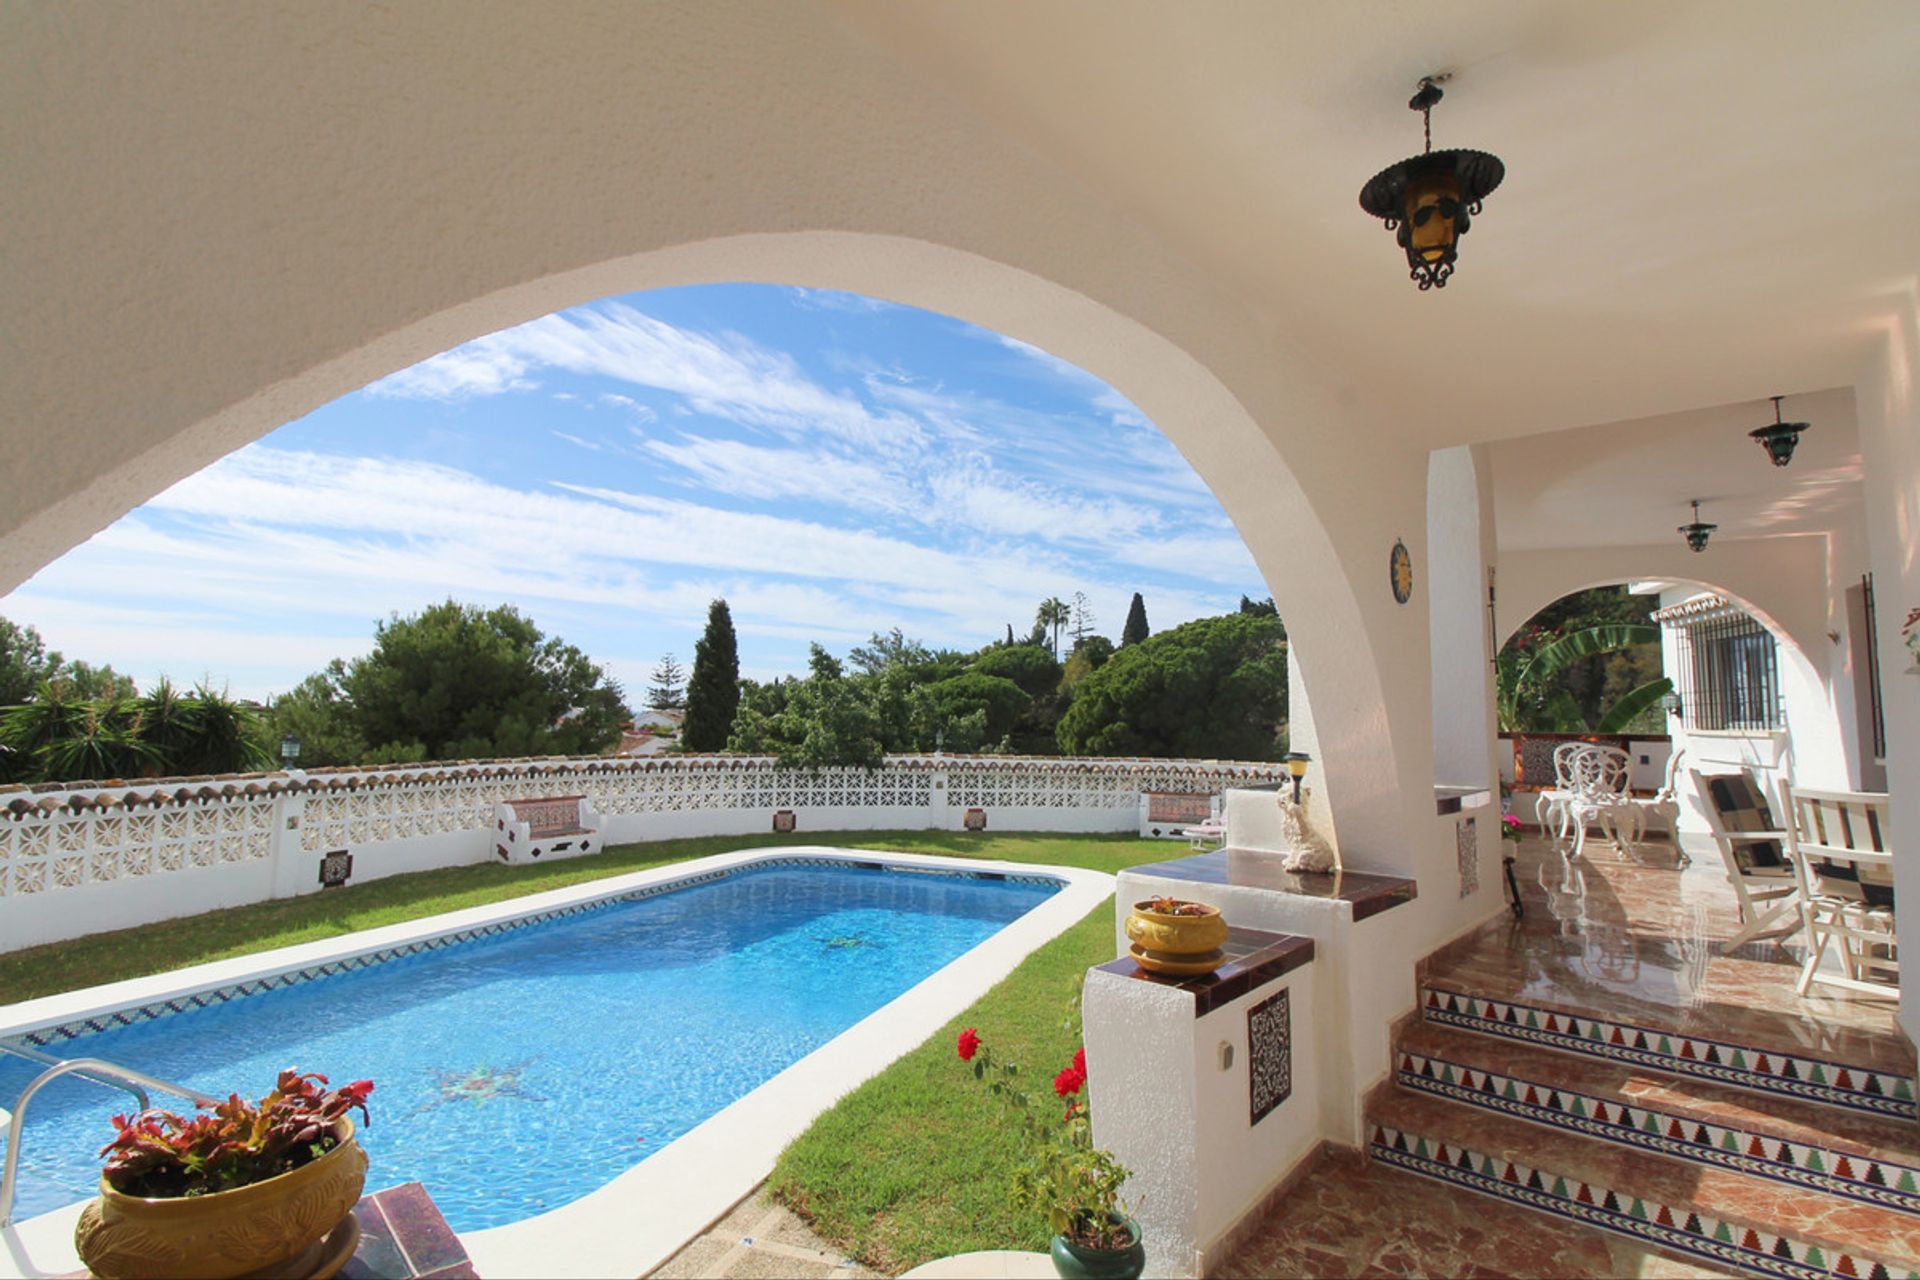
1308,849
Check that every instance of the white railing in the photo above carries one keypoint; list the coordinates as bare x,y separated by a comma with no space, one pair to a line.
79,859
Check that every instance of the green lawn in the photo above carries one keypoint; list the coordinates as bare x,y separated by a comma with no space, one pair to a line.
913,1165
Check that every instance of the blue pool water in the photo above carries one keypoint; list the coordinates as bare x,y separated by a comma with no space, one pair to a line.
516,1073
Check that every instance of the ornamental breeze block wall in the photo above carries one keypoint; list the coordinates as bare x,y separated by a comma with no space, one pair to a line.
88,857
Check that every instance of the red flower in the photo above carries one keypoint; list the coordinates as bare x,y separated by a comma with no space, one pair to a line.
1068,1082
969,1044
1080,1061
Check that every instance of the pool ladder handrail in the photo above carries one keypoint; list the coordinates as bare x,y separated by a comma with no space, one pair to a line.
97,1070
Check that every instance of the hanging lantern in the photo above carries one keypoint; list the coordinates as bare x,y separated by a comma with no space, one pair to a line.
1697,533
1429,201
1780,438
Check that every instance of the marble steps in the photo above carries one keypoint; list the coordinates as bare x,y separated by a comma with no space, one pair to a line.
1873,1159
1718,1216
1882,1090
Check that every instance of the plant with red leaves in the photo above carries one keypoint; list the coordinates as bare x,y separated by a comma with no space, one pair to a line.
1076,1184
163,1155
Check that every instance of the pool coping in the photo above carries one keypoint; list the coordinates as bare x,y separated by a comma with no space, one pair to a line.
639,1219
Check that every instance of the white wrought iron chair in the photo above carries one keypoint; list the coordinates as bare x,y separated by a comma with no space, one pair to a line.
1551,804
1837,842
1635,816
1600,778
1755,854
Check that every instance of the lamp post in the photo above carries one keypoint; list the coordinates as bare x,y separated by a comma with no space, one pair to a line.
1297,766
289,750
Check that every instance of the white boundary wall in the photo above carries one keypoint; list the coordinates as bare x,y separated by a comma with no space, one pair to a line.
87,858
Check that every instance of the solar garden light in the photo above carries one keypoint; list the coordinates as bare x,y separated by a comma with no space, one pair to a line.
1297,766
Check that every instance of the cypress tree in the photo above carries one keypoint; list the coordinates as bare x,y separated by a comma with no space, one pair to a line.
1136,629
713,693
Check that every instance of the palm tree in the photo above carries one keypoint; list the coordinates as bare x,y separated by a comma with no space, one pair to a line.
1526,691
1053,615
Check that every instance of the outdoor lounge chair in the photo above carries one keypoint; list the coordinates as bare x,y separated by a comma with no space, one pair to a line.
1837,843
1754,851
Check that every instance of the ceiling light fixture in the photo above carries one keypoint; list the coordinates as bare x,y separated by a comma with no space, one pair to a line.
1697,533
1780,438
1429,200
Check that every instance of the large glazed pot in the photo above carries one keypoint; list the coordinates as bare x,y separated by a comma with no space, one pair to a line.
268,1225
1079,1262
1184,941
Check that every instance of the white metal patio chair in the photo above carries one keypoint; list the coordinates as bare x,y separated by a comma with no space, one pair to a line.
1633,817
1755,854
1837,842
1551,804
1600,778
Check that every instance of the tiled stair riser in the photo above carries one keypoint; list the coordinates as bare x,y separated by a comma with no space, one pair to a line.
1836,1084
1877,1182
1675,1228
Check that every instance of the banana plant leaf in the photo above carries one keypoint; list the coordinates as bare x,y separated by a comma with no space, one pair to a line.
1632,704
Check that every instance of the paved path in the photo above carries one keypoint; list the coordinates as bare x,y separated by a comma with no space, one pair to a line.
760,1238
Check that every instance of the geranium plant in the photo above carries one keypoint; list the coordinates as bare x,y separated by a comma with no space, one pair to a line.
1075,1184
1511,828
163,1155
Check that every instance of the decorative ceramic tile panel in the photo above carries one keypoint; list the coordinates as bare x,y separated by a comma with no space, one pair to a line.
1466,840
1765,1071
1269,1055
1669,1226
1881,1182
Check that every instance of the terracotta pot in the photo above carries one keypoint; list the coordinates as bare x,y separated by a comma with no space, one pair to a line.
229,1233
1177,944
1080,1262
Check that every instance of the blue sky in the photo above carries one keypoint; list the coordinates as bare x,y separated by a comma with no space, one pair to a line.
831,464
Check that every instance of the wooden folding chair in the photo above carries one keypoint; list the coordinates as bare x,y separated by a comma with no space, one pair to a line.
1754,852
1837,842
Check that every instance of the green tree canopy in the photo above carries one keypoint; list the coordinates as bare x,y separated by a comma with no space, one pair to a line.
1214,687
822,720
454,682
1029,666
713,693
317,712
25,664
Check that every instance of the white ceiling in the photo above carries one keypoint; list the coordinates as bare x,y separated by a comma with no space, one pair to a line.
1629,483
1705,202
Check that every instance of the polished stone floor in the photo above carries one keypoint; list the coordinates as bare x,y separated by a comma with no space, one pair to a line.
1634,937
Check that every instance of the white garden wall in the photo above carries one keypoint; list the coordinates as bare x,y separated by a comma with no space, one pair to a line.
83,859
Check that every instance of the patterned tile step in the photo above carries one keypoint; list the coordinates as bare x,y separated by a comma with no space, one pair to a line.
1748,1067
1798,1121
1675,1228
1815,1167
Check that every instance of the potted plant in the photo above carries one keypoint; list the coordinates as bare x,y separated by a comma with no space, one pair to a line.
1074,1183
246,1187
1174,936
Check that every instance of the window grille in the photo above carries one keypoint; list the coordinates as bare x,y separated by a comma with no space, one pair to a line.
1727,668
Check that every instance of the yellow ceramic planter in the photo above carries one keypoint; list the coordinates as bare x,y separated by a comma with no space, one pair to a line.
1177,944
230,1233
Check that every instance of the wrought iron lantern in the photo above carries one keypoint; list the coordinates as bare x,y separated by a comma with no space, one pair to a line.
1429,201
1780,438
1297,766
290,748
1670,702
1697,533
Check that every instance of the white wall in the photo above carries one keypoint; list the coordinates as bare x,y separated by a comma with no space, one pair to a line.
1457,536
1888,401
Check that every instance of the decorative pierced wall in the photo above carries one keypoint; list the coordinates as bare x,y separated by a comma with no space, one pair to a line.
65,839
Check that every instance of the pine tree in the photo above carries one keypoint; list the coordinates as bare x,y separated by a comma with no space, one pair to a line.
668,690
1136,629
1082,626
713,692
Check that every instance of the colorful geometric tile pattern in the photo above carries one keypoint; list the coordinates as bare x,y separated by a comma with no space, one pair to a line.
1879,1182
1672,1227
202,999
1765,1071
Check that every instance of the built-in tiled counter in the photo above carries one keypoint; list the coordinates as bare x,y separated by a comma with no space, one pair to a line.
1365,895
1197,1088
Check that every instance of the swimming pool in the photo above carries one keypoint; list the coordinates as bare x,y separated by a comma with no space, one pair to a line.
525,1062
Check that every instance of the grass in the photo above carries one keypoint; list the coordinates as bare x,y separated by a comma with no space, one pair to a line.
915,1164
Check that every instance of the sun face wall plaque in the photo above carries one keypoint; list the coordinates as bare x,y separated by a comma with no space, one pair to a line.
1400,570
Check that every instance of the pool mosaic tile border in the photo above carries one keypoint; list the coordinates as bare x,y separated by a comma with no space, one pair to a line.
1763,1070
63,1032
1881,1182
1673,1227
